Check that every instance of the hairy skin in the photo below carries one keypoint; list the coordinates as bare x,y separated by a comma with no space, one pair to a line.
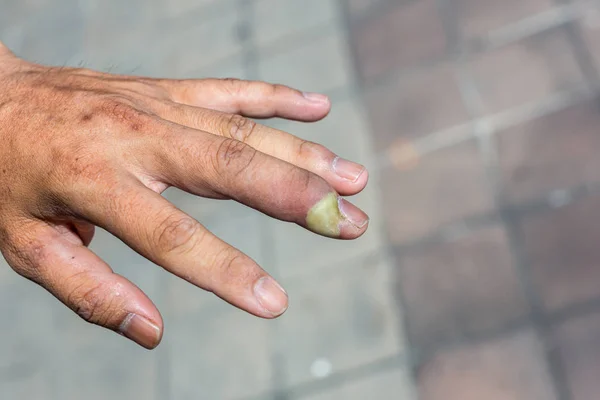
80,149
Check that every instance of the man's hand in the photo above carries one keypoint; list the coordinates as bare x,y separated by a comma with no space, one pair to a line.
80,149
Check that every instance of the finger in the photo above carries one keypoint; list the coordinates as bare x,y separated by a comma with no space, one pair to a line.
252,99
87,285
346,177
192,160
159,231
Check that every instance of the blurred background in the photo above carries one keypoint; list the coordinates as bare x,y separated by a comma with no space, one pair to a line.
480,276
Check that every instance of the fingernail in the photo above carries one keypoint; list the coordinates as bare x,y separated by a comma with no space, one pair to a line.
347,169
271,296
316,97
141,331
353,214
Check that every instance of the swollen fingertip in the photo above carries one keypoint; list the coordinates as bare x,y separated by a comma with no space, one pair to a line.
333,215
141,330
271,296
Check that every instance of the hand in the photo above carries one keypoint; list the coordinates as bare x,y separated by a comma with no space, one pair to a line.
80,149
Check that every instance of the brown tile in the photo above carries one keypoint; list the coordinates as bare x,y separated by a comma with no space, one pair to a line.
553,152
527,71
578,343
445,186
460,287
478,17
415,105
343,318
408,34
511,368
562,249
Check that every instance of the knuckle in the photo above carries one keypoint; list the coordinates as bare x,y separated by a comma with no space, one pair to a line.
238,127
232,86
302,180
308,149
125,113
27,256
176,234
233,156
90,300
277,89
233,267
78,170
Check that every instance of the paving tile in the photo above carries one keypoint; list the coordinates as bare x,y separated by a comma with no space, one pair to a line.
415,105
509,368
460,287
360,8
554,152
19,383
339,319
443,187
478,17
28,348
232,68
52,35
527,71
562,253
389,41
182,8
105,368
222,355
280,19
178,49
395,384
345,132
315,66
182,52
577,342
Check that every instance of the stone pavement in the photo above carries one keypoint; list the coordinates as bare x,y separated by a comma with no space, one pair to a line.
480,275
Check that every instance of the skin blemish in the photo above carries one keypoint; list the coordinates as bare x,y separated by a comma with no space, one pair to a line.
325,217
86,117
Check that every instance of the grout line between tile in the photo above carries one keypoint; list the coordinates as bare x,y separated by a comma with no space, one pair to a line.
502,121
251,63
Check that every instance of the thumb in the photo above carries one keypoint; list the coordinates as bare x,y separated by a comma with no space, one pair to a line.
86,284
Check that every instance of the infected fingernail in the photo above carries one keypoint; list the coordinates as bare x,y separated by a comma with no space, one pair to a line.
353,214
325,217
141,331
271,296
316,97
347,169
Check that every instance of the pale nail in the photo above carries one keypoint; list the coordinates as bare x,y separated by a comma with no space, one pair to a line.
271,296
347,169
353,214
316,97
141,331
